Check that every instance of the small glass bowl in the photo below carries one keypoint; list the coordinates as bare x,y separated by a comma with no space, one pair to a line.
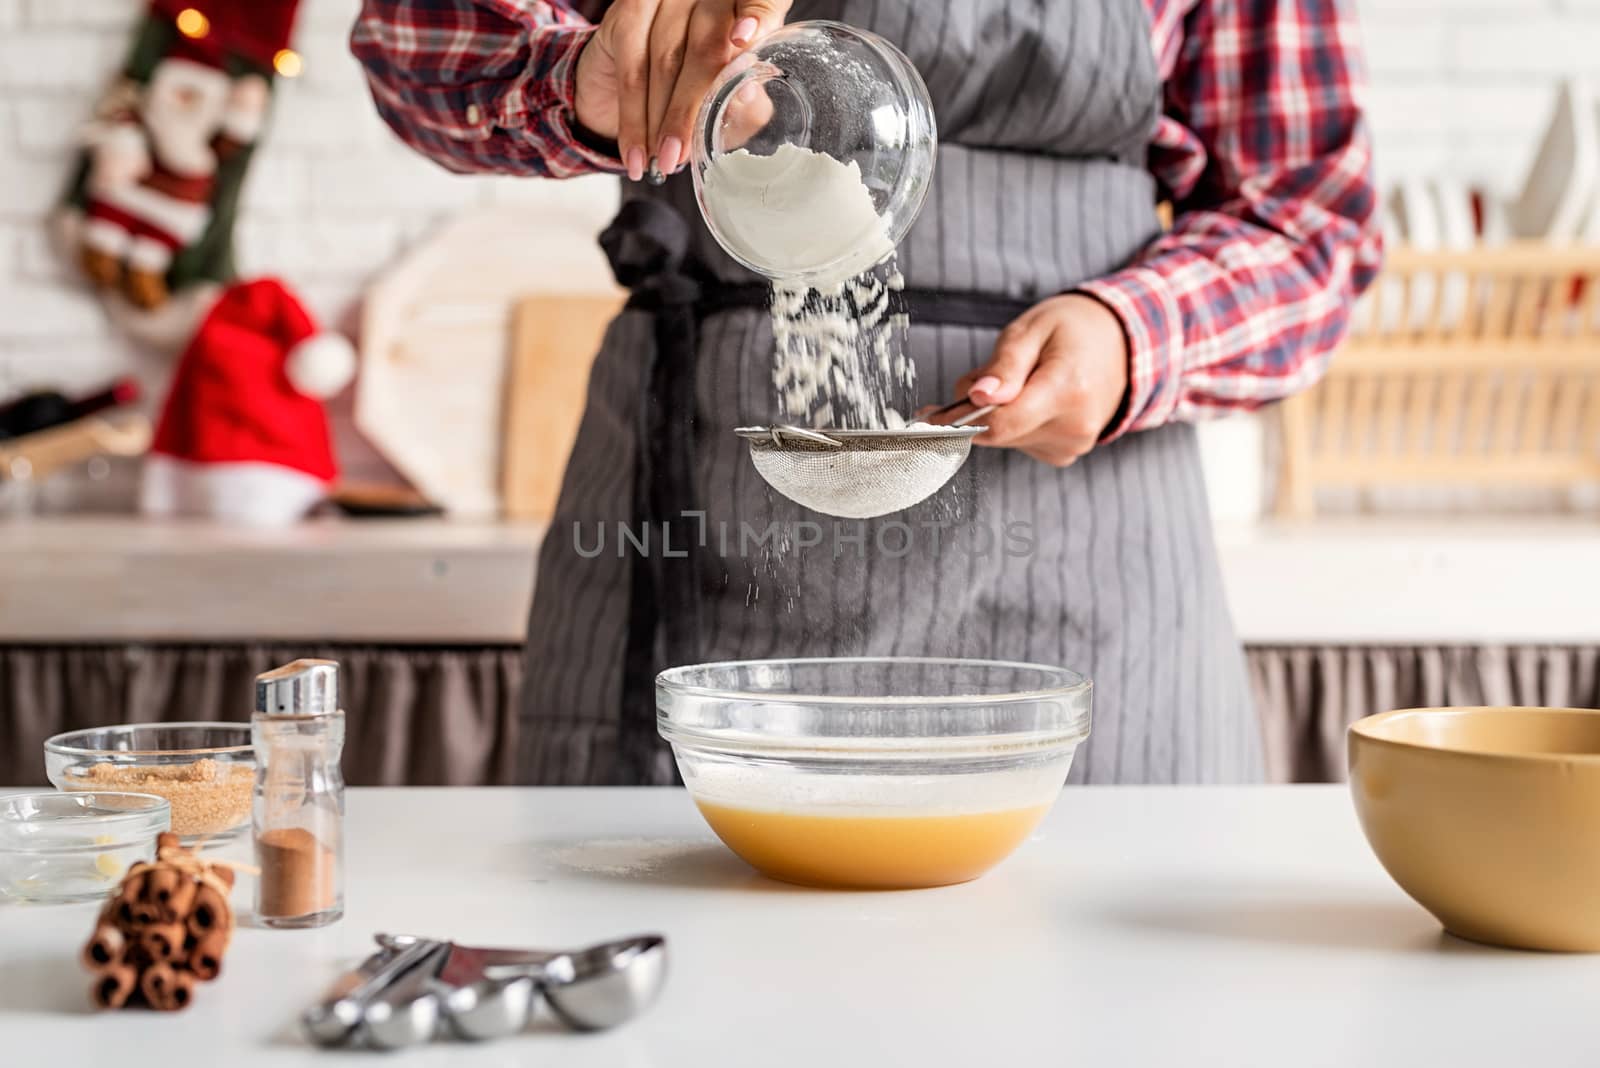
873,772
206,771
57,848
830,88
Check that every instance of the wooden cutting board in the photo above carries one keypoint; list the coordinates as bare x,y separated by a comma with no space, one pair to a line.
436,335
554,338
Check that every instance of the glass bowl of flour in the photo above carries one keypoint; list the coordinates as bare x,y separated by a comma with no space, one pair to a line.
813,152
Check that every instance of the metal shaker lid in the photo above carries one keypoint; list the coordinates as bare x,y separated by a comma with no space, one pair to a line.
300,688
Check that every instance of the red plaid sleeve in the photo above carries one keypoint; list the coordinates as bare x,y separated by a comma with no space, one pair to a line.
481,85
1265,153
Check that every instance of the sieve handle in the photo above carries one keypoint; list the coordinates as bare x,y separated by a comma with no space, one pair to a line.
813,436
976,413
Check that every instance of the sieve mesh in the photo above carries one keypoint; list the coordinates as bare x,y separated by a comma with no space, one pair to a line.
858,474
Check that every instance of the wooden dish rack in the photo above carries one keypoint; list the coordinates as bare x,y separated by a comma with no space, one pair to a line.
1476,367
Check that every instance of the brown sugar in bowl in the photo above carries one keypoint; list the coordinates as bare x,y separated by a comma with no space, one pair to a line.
207,797
206,771
1488,817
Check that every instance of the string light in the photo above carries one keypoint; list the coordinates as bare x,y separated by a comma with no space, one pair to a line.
287,63
192,23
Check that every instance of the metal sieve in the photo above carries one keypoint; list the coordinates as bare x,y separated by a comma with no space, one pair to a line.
860,474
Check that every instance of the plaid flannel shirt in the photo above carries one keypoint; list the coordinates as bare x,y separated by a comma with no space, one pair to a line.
1262,149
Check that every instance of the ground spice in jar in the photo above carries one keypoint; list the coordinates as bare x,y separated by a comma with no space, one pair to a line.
207,796
298,875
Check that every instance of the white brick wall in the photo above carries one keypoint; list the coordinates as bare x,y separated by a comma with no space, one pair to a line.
1463,87
1459,87
100,14
34,58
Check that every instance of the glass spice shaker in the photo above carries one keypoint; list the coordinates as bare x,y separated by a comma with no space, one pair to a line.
298,735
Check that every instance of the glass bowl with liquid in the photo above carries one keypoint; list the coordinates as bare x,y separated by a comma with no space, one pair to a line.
800,107
873,773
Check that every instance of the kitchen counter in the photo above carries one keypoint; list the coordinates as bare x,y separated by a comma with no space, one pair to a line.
1394,581
114,579
1331,581
1139,926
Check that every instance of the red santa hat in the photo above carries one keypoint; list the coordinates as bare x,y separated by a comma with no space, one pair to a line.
243,434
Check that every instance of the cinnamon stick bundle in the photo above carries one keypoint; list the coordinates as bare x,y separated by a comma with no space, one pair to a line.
205,958
113,985
210,911
105,947
166,988
165,930
163,941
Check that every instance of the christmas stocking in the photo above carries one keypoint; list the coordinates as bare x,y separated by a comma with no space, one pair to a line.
158,185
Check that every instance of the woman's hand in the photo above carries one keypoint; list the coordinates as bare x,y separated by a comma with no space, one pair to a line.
643,74
1060,371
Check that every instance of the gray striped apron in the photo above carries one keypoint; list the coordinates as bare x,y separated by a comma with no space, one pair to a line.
1106,566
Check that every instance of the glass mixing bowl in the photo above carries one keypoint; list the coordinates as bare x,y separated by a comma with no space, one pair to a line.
832,89
884,773
57,848
206,771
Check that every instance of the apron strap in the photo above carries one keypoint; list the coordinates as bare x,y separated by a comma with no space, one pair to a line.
949,307
647,244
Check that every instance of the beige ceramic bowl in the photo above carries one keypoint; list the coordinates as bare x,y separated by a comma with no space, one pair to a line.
1488,817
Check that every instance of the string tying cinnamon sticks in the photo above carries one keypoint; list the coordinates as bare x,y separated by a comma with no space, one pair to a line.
165,929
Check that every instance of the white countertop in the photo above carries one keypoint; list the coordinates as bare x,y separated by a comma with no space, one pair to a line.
1357,581
1139,926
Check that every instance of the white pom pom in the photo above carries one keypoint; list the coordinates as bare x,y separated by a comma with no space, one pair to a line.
321,365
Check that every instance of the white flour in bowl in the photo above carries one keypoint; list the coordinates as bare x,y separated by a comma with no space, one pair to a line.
808,219
796,213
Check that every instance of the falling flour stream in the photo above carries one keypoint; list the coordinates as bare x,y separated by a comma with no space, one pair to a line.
808,219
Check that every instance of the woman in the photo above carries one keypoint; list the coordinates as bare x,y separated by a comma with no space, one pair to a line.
1040,279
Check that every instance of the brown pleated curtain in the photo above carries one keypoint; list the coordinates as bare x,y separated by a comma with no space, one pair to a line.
1308,695
448,716
414,716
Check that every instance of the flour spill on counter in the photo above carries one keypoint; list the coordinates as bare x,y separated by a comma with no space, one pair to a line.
623,857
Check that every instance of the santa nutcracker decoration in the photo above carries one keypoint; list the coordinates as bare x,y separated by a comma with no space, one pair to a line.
242,435
164,160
